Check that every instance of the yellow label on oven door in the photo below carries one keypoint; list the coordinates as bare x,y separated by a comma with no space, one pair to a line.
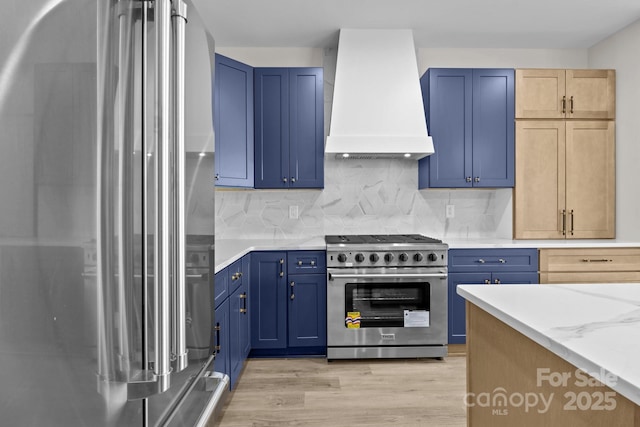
352,320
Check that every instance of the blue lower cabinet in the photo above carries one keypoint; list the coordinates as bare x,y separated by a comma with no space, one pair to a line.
232,337
307,310
222,333
268,304
288,311
239,332
485,267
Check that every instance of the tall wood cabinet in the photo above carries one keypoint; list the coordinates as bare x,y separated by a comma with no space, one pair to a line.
565,163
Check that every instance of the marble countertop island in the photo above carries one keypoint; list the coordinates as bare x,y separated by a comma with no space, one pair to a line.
595,327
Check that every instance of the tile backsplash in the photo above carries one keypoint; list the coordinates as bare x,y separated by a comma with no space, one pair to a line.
376,196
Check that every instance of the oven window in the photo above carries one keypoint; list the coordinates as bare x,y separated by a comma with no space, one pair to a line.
373,305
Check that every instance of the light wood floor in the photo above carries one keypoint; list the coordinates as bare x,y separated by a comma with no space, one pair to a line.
314,392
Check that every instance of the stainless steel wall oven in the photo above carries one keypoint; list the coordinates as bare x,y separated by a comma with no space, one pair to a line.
386,297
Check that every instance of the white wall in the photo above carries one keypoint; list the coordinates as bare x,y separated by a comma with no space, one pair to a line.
620,52
274,56
501,58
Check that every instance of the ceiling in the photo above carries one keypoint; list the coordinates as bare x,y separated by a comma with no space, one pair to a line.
551,24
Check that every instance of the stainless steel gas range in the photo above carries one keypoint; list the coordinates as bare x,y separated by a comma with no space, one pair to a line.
386,296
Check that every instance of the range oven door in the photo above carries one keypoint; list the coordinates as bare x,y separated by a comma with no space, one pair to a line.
386,307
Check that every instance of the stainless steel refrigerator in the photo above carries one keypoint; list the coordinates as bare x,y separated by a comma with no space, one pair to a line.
106,215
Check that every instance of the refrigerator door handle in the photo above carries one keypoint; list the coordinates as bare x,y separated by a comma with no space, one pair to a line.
163,230
178,339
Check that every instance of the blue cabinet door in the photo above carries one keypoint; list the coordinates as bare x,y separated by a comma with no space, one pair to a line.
306,143
493,128
222,333
457,315
268,302
289,127
233,123
449,117
239,331
307,310
271,127
470,115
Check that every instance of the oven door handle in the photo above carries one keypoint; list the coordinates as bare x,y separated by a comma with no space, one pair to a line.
332,276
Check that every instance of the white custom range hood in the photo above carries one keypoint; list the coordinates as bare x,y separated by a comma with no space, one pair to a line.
377,103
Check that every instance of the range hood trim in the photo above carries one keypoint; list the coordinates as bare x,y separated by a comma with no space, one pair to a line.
377,109
379,146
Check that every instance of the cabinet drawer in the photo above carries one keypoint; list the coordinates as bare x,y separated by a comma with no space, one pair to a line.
476,260
590,259
307,262
591,277
235,275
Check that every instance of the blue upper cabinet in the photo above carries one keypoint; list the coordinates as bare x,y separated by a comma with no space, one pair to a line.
233,123
470,115
289,128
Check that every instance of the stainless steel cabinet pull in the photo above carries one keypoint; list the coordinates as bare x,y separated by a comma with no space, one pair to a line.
484,261
293,179
476,179
487,281
597,260
284,179
468,179
564,222
281,265
217,177
312,263
292,284
564,104
299,262
243,297
496,281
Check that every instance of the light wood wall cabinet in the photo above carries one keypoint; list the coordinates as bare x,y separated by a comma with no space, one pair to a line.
560,94
565,179
589,265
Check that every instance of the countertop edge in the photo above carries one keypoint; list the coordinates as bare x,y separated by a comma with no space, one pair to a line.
628,390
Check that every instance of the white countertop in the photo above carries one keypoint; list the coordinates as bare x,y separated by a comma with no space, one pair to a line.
229,250
562,244
595,327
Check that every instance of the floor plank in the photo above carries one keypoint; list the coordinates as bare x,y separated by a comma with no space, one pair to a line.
314,392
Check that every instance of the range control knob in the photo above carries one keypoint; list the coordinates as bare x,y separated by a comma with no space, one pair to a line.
359,257
388,257
403,257
374,257
418,257
432,257
342,258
